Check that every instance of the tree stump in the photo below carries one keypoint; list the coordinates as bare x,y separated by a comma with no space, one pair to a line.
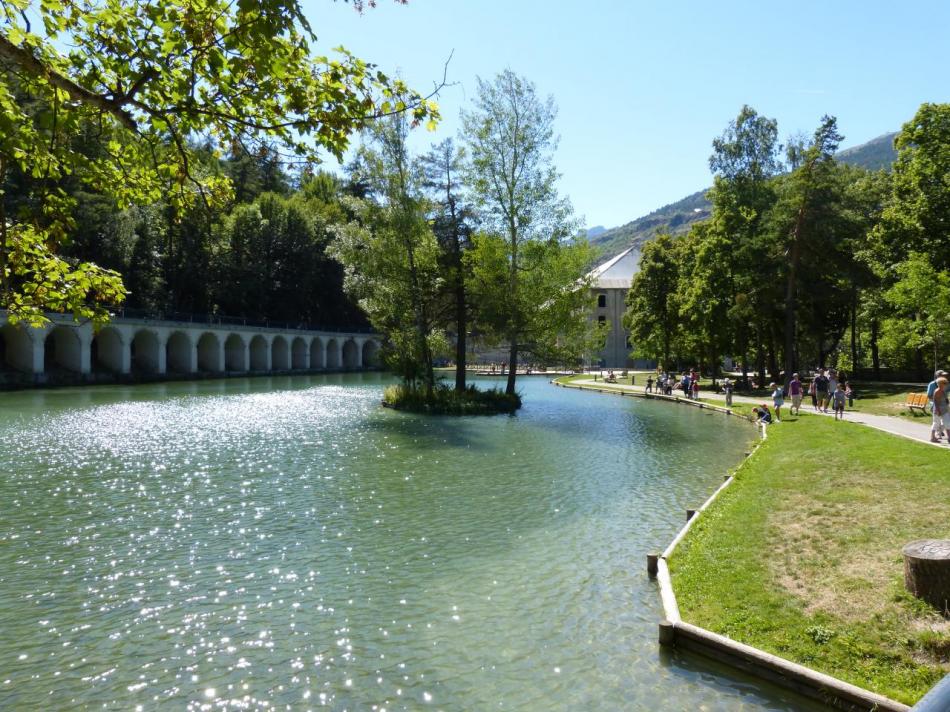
927,571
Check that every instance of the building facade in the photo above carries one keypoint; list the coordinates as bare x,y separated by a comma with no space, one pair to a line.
609,284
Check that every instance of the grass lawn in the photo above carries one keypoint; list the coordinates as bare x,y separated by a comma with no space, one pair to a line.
800,556
887,399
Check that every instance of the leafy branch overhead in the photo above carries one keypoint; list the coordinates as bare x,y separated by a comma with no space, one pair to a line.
153,79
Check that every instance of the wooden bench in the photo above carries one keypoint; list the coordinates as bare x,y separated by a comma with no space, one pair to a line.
917,400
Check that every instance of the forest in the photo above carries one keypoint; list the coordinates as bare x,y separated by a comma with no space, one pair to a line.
806,261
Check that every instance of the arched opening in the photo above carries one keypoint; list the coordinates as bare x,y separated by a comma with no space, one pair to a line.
259,354
62,350
107,351
316,353
370,354
333,354
235,353
17,348
209,353
299,354
351,354
280,354
179,353
145,347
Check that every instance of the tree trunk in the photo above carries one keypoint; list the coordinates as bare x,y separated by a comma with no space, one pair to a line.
854,336
927,571
512,366
460,345
875,354
790,292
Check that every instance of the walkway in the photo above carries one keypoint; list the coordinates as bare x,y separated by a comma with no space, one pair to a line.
887,423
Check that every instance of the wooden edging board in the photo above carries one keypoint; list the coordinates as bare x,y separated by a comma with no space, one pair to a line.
674,631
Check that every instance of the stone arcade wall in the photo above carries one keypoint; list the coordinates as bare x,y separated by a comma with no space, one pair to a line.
125,349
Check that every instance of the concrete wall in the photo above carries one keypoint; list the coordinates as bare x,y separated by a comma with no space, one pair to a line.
130,347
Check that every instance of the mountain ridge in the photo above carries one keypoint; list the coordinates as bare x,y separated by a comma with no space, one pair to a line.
677,217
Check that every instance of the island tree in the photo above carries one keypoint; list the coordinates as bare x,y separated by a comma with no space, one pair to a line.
391,256
513,183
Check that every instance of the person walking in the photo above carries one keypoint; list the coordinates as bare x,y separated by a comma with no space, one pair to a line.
837,401
778,400
931,388
727,390
849,392
941,409
813,392
821,388
695,388
795,391
832,386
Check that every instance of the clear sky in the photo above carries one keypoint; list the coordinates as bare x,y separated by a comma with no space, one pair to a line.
643,86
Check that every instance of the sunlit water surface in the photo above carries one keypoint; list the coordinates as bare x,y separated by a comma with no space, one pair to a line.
287,543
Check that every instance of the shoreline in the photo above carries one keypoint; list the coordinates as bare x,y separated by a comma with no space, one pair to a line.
674,631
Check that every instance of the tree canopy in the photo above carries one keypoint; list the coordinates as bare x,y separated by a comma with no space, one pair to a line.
149,79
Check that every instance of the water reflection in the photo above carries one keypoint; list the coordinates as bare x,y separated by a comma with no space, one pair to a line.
285,541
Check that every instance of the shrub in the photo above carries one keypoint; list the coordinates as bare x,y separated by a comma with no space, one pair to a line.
447,401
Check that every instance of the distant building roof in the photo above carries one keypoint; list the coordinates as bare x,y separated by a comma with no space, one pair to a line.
617,272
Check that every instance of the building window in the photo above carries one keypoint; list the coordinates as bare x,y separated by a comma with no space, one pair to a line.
601,300
601,319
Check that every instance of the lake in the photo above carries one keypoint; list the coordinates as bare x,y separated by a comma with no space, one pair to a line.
288,543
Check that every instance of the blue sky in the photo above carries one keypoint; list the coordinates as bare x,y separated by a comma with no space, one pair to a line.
643,87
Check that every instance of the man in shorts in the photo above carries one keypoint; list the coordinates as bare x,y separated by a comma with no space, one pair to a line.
795,391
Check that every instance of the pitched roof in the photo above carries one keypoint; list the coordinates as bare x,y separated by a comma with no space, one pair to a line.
617,272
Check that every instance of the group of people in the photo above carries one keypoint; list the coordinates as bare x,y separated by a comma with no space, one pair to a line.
665,383
937,393
826,389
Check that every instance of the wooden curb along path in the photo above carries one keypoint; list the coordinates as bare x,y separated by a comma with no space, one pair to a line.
675,632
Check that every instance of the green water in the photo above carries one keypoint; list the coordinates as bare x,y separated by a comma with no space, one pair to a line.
287,543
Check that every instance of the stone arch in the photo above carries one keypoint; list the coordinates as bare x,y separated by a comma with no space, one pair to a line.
351,354
17,345
62,349
317,353
209,353
299,354
259,353
145,352
333,354
370,354
179,353
107,350
279,354
235,353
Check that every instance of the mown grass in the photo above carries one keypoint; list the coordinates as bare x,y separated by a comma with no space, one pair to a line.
445,400
800,556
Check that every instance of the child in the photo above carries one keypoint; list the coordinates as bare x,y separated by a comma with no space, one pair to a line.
849,393
837,401
695,387
727,389
778,400
649,388
762,414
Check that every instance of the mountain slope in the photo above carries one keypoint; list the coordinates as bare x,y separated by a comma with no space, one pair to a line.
677,217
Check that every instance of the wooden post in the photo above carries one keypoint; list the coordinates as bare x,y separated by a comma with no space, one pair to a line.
667,633
652,560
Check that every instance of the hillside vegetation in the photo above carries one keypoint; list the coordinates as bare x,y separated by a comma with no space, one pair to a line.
677,217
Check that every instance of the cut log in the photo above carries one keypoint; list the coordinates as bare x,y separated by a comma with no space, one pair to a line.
927,571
